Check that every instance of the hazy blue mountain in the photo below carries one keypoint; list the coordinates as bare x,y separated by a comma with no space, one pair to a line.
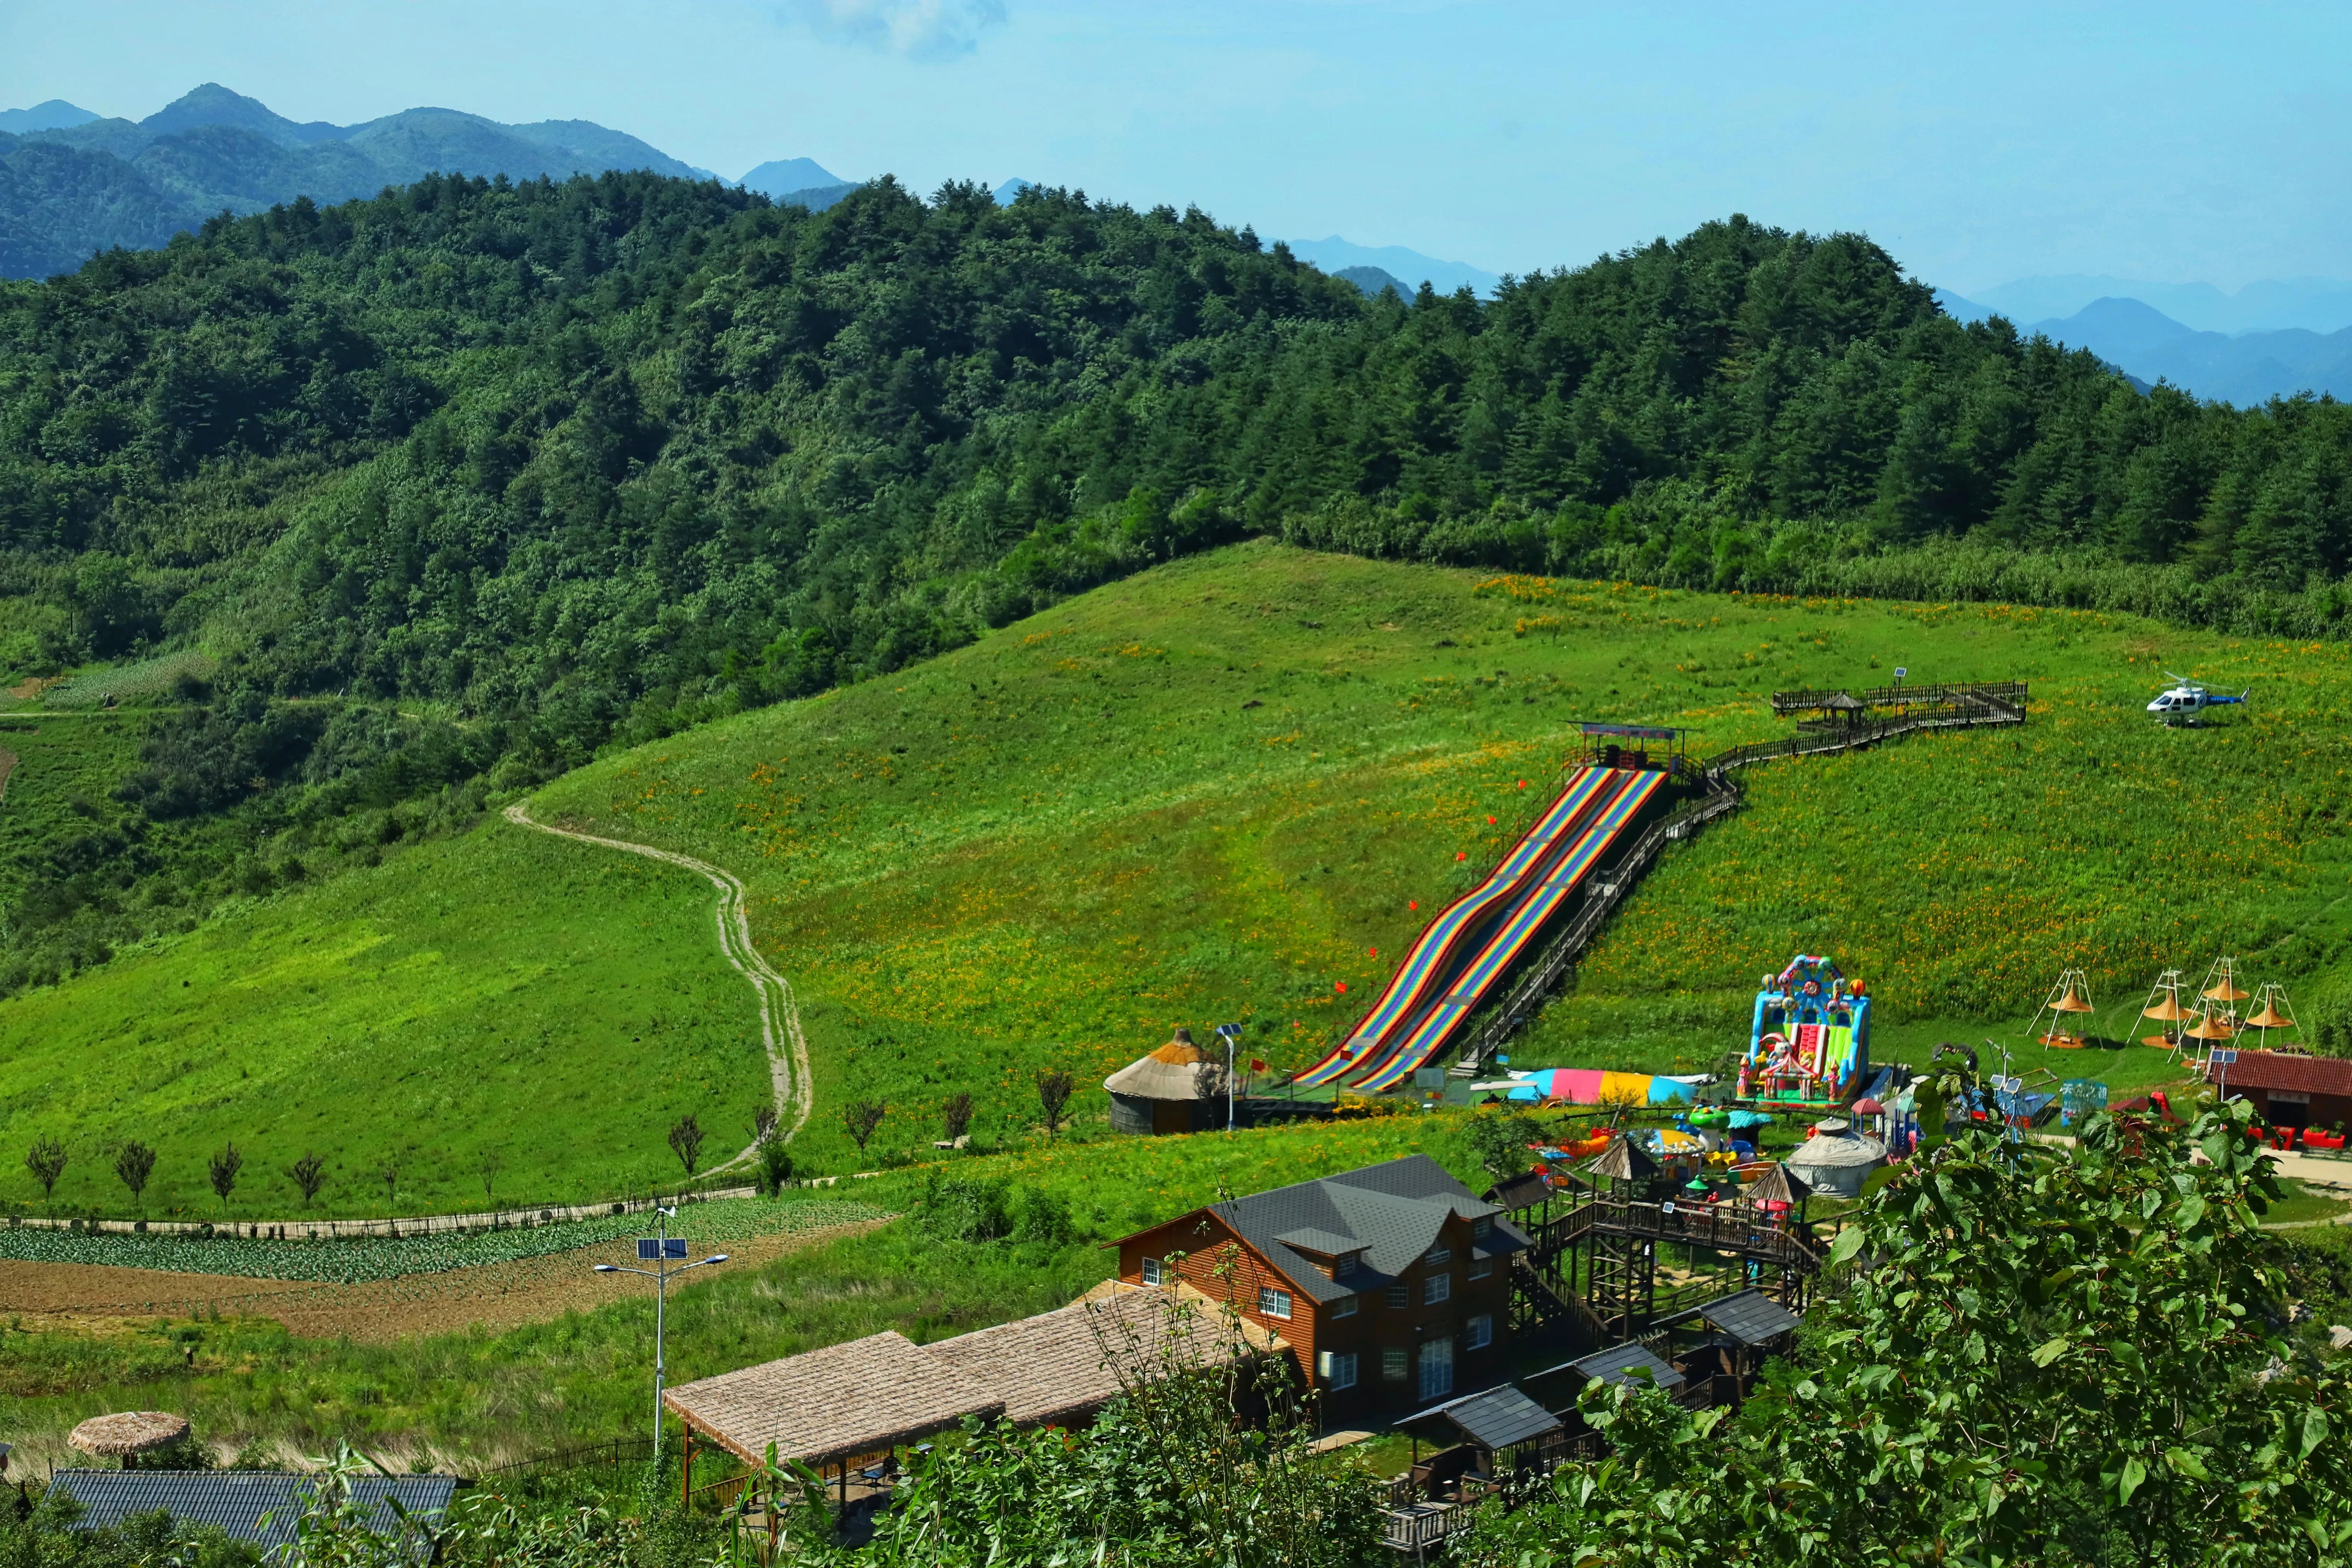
56,114
1005,192
787,175
1960,310
1334,254
87,184
1371,280
2316,304
2247,368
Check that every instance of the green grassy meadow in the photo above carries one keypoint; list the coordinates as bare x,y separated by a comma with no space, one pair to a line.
504,993
1222,790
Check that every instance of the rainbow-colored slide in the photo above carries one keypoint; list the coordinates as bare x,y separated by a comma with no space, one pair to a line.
1619,802
1428,962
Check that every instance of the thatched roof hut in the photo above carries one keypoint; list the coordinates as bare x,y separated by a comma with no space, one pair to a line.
1780,1184
128,1434
1169,1091
1623,1164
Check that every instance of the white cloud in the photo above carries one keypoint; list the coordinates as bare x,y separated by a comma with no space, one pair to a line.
918,29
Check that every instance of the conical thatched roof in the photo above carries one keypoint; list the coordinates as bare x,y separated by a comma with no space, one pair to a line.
1779,1185
1172,1072
130,1432
1621,1162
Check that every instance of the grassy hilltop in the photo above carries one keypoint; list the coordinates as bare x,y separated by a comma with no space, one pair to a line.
1220,790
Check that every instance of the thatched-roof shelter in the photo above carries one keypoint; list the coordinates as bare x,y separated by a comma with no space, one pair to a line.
128,1434
1064,1366
1623,1164
1780,1184
1172,1090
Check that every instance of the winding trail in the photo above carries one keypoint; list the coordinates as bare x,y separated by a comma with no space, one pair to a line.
780,1015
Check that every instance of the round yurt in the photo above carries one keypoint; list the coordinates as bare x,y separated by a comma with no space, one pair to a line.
1836,1159
1176,1088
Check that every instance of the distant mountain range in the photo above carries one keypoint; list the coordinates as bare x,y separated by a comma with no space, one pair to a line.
1372,279
2274,304
1336,255
2149,346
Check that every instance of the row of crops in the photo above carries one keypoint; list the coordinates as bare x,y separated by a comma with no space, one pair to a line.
709,1227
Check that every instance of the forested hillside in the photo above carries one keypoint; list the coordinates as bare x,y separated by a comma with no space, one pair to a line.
481,477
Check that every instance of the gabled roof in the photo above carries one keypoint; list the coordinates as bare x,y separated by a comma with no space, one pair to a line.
1329,1244
237,1500
1496,1419
1622,1162
2272,1069
1524,1191
1065,1365
1393,1211
1619,1363
845,1400
1750,1317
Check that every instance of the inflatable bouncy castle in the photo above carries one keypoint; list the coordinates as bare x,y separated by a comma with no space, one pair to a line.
1810,1045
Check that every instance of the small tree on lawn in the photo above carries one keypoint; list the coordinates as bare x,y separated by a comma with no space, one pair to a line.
763,1125
389,1174
861,1116
134,1162
685,1143
775,1166
1054,1098
957,1112
46,1160
489,1167
310,1173
225,1167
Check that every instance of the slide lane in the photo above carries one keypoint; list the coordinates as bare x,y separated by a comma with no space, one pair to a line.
1428,1034
1427,961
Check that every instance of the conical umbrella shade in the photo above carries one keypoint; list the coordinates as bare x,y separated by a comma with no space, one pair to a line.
2209,1029
2071,1002
2227,992
2268,1018
2168,1011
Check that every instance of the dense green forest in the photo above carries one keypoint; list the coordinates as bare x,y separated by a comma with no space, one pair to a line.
466,481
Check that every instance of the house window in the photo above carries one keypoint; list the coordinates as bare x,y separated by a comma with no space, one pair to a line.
1436,1368
1481,1266
1481,1229
1345,1307
1435,1289
1392,1365
1339,1368
1437,1255
1153,1273
1273,1303
1399,1294
1343,1266
1478,1333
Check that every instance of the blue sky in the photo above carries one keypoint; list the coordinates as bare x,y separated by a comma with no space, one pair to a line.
1978,144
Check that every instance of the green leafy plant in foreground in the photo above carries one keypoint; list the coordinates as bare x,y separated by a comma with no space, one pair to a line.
2046,1355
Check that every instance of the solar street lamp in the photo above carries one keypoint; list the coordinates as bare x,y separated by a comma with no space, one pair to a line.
1231,1032
658,1250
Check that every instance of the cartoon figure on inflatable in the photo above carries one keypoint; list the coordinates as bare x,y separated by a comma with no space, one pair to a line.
1810,1045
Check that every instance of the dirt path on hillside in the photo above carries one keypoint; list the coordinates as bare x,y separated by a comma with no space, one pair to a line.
780,1015
94,1297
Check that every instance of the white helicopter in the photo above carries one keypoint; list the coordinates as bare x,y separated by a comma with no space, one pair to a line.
2187,698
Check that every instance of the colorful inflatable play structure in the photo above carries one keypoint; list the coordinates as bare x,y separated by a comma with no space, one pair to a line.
1810,1045
1462,954
1594,1086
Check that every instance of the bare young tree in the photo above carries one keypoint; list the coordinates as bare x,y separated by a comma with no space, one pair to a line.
763,1125
1054,1098
46,1160
685,1143
390,1175
489,1168
310,1173
860,1117
225,1167
134,1162
957,1112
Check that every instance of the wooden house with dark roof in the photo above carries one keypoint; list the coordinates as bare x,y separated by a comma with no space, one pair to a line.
2287,1089
1390,1284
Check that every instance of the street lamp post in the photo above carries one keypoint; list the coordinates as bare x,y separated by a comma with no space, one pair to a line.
658,1250
1232,1032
